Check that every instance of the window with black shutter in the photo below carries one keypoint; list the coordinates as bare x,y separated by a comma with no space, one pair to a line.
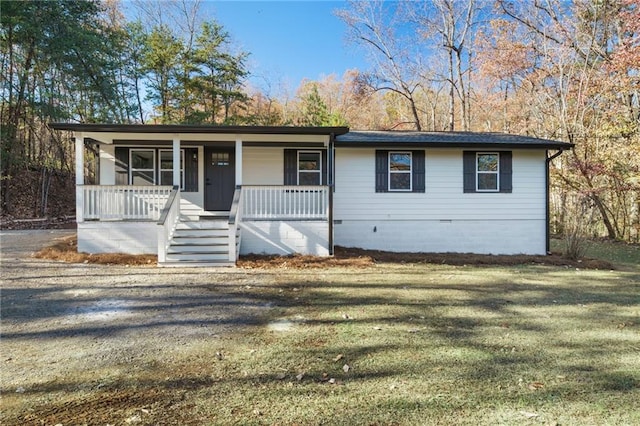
487,171
400,171
305,167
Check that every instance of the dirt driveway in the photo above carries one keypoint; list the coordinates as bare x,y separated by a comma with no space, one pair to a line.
62,323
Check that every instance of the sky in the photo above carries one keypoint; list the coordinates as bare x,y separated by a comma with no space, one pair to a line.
288,41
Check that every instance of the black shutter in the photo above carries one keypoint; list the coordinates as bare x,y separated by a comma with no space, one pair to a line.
382,171
418,169
122,166
505,171
191,170
469,171
290,167
325,167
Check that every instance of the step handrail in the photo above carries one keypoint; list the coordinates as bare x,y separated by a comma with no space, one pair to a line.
167,222
234,219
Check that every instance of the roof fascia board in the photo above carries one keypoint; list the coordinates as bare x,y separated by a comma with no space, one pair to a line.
471,145
198,129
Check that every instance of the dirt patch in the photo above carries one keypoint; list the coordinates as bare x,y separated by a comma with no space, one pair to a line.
66,250
354,257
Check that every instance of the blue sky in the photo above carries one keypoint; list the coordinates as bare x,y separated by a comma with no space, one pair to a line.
288,40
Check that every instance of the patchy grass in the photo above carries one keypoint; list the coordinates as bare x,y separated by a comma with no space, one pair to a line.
66,250
397,344
618,252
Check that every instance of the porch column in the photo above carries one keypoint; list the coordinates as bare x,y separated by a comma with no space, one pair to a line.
238,160
79,177
176,161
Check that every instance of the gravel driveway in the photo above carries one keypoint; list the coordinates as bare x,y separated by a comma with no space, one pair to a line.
62,321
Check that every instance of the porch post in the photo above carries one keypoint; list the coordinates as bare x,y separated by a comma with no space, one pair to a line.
238,160
79,177
176,161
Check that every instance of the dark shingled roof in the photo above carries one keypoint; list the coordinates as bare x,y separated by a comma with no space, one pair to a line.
446,139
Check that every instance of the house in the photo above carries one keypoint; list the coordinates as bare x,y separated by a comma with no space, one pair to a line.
199,195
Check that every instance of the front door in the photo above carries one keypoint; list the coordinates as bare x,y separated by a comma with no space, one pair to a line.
219,178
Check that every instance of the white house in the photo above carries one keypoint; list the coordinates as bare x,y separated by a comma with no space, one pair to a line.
202,195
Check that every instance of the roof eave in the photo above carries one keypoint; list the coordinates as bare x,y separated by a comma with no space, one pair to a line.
475,145
182,128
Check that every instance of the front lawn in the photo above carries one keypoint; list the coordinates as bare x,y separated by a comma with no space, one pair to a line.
382,344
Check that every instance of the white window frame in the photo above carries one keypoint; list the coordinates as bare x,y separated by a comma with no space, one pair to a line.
319,171
160,169
409,172
485,172
132,169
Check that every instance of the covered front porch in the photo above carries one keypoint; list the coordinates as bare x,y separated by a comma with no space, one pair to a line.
203,195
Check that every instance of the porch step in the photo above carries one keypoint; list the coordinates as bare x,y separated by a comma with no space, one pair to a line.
199,243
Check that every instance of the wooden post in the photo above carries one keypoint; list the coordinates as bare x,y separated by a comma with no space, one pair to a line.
79,177
238,160
176,161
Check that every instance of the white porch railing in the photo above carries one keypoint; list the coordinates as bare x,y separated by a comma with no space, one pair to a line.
122,202
167,223
235,217
285,202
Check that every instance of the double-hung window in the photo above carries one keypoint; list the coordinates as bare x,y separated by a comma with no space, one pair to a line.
142,170
309,167
487,171
166,167
400,171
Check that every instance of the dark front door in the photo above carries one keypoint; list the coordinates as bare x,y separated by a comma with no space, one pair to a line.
219,178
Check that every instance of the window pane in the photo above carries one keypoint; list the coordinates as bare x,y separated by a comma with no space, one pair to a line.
166,178
309,161
309,178
487,162
220,158
166,160
488,181
400,161
142,178
400,181
142,159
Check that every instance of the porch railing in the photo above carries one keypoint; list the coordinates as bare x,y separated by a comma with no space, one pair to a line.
167,222
122,202
300,202
235,217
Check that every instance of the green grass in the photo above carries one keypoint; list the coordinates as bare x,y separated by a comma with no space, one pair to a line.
618,253
424,344
433,345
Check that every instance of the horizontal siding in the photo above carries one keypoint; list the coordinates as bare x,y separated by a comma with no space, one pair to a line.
262,166
355,197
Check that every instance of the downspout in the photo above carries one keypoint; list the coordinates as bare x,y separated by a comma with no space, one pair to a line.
547,199
330,182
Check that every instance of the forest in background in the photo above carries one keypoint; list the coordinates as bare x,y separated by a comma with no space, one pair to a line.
547,68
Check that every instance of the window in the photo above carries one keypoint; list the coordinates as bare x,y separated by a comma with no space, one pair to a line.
305,167
400,171
487,171
166,167
309,167
142,170
154,166
220,159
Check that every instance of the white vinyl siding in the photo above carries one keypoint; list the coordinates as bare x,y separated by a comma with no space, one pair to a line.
262,166
355,197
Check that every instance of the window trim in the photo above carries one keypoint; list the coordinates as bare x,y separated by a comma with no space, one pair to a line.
410,172
182,171
487,172
133,169
318,171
